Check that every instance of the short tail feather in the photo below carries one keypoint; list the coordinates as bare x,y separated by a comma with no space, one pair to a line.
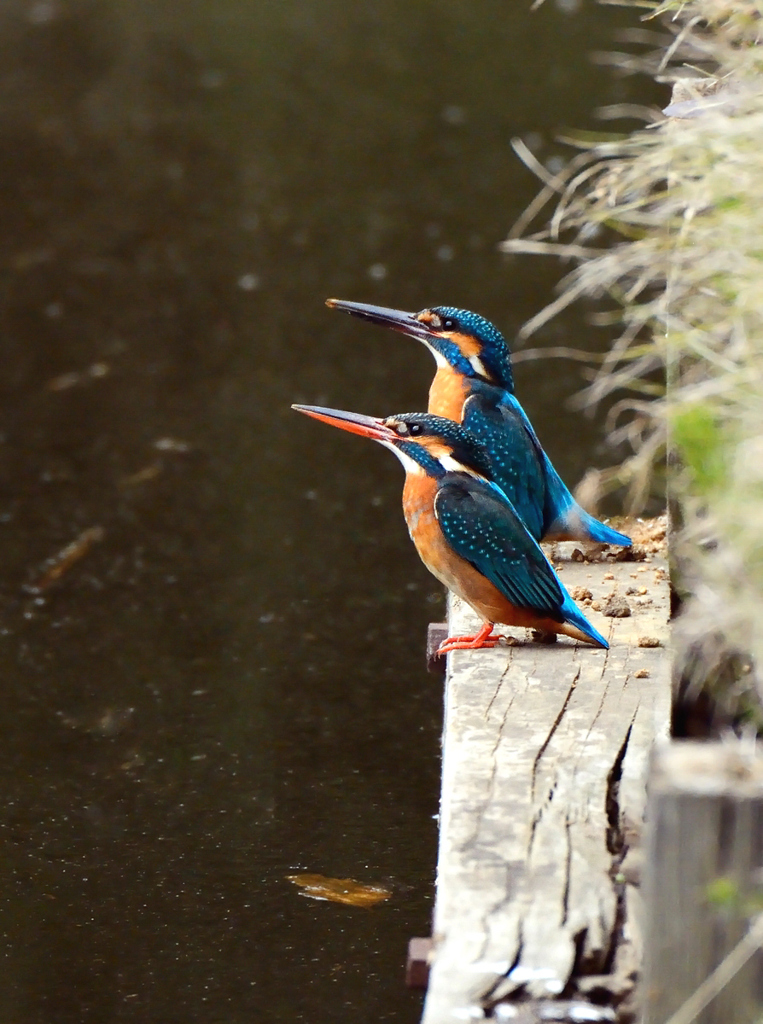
576,524
600,533
568,519
574,617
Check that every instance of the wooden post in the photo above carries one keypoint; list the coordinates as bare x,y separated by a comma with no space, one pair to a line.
545,757
703,881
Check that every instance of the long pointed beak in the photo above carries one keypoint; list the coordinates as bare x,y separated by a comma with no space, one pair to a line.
354,422
397,319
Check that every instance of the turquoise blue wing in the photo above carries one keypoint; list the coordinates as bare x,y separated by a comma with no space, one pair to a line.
483,528
498,421
524,471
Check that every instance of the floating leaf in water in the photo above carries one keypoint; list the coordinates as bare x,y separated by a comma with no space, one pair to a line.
339,890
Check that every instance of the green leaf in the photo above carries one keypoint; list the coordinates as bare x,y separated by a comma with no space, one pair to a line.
722,892
698,436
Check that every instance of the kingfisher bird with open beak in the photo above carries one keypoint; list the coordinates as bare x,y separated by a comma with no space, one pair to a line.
474,385
466,531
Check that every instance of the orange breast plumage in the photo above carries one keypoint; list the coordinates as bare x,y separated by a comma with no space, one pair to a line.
418,507
447,393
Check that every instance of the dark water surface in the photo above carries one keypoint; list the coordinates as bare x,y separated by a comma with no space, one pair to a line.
227,685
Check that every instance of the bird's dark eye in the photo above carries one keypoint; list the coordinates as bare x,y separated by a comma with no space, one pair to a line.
415,429
448,324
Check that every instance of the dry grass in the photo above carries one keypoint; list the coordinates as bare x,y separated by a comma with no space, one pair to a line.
684,197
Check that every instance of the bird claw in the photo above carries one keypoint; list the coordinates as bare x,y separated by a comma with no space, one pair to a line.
485,638
465,643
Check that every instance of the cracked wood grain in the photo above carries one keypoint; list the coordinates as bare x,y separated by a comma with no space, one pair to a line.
544,764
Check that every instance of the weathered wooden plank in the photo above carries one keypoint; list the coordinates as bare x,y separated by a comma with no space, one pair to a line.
702,883
544,761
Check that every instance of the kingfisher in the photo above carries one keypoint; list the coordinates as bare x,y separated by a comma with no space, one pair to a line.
474,385
466,531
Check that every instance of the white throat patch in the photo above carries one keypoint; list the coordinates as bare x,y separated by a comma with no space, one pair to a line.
409,465
439,358
478,366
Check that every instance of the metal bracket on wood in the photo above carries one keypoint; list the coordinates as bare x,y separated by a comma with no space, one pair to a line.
436,633
417,964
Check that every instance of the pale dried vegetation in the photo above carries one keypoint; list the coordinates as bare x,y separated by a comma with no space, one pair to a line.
683,200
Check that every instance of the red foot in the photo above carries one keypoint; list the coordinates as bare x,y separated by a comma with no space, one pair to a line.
485,638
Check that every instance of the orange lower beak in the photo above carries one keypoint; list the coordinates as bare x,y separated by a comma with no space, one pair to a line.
354,422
